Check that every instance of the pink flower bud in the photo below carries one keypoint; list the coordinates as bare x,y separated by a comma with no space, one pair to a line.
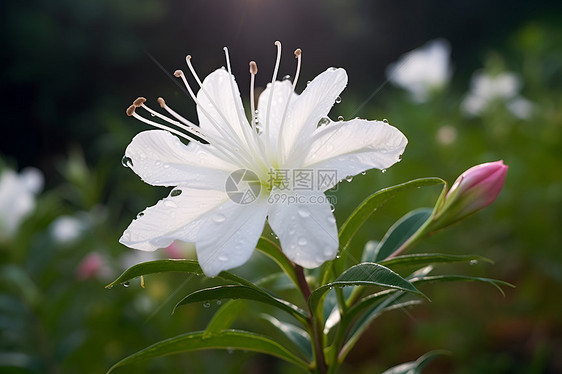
93,265
475,189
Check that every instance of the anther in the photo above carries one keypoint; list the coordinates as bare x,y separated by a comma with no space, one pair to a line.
253,68
178,73
131,110
139,101
161,102
298,52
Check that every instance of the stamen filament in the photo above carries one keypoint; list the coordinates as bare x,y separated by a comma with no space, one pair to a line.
280,147
253,73
275,70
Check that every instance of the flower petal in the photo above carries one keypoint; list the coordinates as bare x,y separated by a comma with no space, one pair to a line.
158,226
227,236
161,159
314,103
220,105
282,91
307,229
354,146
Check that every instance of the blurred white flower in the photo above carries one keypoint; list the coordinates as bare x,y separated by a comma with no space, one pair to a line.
17,198
423,70
486,88
446,135
66,229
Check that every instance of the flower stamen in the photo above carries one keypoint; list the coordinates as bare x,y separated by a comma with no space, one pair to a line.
281,151
275,70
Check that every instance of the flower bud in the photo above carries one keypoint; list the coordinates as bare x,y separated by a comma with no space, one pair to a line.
475,189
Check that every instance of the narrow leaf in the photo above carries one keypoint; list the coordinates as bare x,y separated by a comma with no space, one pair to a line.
229,339
452,278
242,292
272,250
294,334
424,259
364,274
416,367
160,266
225,316
372,203
401,231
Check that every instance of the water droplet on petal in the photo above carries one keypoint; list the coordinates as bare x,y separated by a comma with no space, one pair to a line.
287,77
127,162
219,217
332,208
140,215
302,241
328,253
349,178
166,166
383,170
319,258
176,192
385,120
323,121
304,212
223,258
340,118
307,83
364,173
338,100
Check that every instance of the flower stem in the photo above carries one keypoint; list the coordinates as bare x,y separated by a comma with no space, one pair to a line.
314,324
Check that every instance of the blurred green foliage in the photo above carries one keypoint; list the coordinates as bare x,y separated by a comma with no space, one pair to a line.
69,69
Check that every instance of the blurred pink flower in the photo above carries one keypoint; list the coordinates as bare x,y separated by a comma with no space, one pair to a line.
94,265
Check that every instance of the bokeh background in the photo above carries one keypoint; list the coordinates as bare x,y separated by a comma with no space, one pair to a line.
71,68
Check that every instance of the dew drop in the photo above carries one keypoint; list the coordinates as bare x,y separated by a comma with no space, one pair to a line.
127,162
153,115
328,253
304,212
383,170
302,241
175,192
364,173
219,302
140,215
323,121
125,284
332,208
319,258
286,78
291,231
206,304
218,218
340,118
349,178
338,100
307,83
473,262
385,120
223,258
166,166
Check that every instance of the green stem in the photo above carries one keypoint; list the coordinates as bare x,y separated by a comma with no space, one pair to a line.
314,324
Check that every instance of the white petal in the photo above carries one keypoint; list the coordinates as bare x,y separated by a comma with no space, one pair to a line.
314,103
307,230
168,220
282,91
354,146
227,236
161,159
219,104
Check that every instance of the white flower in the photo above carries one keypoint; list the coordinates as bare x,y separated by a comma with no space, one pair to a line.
17,198
66,229
422,70
486,89
289,132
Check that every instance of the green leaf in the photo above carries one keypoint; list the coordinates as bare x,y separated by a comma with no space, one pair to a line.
416,367
295,334
160,266
229,339
463,278
364,274
225,316
424,259
401,231
242,292
372,203
271,249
